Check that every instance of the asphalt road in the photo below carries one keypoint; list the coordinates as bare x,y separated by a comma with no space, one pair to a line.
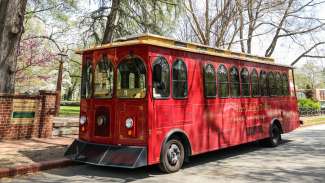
301,158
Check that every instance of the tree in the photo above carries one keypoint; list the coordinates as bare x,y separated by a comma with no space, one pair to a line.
111,21
209,23
311,75
309,92
244,24
48,24
118,18
11,28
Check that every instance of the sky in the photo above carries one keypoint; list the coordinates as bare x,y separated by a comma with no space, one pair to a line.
285,51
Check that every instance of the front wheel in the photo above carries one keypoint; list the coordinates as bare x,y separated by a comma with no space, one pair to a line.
172,156
274,139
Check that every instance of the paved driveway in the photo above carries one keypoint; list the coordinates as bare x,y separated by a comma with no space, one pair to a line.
301,158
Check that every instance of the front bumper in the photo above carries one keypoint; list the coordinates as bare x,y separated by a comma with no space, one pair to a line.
107,155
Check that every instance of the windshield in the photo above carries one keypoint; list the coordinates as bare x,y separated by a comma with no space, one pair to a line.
104,74
86,81
131,79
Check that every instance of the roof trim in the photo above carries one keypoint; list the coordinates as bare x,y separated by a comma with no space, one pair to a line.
160,41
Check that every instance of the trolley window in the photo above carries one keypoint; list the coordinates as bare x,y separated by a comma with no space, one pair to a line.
179,79
285,85
263,84
223,89
255,85
87,79
131,78
161,78
245,89
271,84
210,86
234,82
104,74
278,84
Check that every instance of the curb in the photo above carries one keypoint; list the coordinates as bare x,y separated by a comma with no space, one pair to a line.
35,167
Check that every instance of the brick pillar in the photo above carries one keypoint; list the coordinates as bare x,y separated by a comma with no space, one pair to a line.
5,114
48,99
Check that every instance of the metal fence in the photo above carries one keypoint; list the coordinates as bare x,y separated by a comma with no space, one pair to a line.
311,112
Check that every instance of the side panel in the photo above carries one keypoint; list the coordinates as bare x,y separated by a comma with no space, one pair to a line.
215,123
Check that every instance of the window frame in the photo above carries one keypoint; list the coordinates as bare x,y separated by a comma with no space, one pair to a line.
241,83
264,73
231,82
258,83
287,85
169,82
204,80
271,91
88,61
227,82
94,77
278,84
146,77
172,79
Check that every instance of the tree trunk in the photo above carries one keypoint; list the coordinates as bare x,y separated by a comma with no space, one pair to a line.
11,28
71,90
111,23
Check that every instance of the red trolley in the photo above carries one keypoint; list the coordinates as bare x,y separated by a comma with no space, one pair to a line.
153,100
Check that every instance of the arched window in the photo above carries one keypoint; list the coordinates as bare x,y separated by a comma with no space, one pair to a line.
263,84
245,89
179,79
104,80
210,86
131,78
255,85
285,85
87,79
234,82
160,78
278,84
223,89
271,84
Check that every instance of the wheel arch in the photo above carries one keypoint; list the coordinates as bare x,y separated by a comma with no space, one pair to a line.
276,122
184,139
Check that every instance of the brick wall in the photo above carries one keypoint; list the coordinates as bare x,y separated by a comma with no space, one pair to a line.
40,127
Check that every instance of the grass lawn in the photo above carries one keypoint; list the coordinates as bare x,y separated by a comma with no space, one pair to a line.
314,120
66,111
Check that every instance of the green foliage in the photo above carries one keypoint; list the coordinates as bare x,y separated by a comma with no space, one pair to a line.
308,103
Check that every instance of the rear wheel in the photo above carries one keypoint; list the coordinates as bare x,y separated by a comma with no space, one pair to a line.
275,137
172,156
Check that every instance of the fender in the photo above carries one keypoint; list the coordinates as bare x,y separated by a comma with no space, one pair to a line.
188,149
275,120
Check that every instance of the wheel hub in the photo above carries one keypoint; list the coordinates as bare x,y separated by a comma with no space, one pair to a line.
275,135
173,154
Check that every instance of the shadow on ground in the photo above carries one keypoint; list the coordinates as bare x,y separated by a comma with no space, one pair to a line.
44,154
301,158
129,175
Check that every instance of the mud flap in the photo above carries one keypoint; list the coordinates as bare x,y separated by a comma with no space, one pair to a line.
107,155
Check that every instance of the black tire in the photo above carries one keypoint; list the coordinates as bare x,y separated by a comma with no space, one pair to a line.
274,139
172,156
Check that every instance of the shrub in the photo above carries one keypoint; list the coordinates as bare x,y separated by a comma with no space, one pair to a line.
308,103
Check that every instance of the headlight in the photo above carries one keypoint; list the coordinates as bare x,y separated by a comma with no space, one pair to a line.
83,120
129,123
100,120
